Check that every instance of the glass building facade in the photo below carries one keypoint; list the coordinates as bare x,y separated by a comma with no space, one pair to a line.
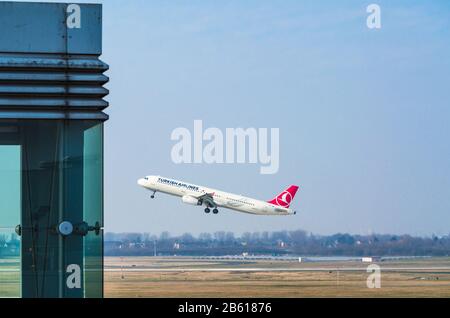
51,151
52,173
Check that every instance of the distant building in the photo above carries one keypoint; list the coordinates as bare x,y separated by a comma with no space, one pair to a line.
136,245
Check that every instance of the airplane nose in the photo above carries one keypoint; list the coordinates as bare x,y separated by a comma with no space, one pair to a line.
141,182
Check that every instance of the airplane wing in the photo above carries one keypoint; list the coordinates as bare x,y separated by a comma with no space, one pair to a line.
208,200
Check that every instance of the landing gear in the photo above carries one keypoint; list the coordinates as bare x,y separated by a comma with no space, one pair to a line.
153,195
215,211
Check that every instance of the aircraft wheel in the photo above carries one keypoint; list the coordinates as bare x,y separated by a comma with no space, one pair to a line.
215,211
207,210
152,196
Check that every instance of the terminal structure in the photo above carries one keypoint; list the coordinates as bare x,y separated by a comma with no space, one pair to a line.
51,149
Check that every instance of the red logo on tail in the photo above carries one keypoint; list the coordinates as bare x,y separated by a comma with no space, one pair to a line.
285,198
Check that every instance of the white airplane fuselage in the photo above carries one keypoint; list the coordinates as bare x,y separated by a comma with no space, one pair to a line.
198,195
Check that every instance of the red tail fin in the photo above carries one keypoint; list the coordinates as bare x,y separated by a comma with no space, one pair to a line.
285,198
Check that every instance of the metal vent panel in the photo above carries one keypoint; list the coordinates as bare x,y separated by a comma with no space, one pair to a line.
45,81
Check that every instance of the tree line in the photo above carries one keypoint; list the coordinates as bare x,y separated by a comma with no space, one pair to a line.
297,242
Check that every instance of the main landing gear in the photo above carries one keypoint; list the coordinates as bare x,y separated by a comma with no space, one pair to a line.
215,210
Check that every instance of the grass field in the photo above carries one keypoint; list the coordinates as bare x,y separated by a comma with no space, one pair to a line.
188,277
185,277
9,281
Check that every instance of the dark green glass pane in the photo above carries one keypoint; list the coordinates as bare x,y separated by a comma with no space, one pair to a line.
52,173
93,175
93,265
93,211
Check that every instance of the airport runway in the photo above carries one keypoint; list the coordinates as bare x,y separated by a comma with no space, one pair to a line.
316,269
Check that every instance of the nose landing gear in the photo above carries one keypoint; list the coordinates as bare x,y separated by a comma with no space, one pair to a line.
153,195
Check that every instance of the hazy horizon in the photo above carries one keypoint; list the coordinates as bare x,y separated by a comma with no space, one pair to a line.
240,234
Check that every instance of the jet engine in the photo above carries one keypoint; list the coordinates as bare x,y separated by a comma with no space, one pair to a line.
190,200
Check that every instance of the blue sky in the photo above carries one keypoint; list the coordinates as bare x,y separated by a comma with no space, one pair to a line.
363,114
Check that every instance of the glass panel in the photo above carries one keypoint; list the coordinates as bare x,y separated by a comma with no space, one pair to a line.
54,176
93,265
43,198
93,211
9,218
93,175
9,186
9,263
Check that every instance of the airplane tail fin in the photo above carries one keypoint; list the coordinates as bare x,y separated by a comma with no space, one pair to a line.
285,198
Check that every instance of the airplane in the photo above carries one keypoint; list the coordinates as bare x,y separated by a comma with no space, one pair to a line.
214,199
